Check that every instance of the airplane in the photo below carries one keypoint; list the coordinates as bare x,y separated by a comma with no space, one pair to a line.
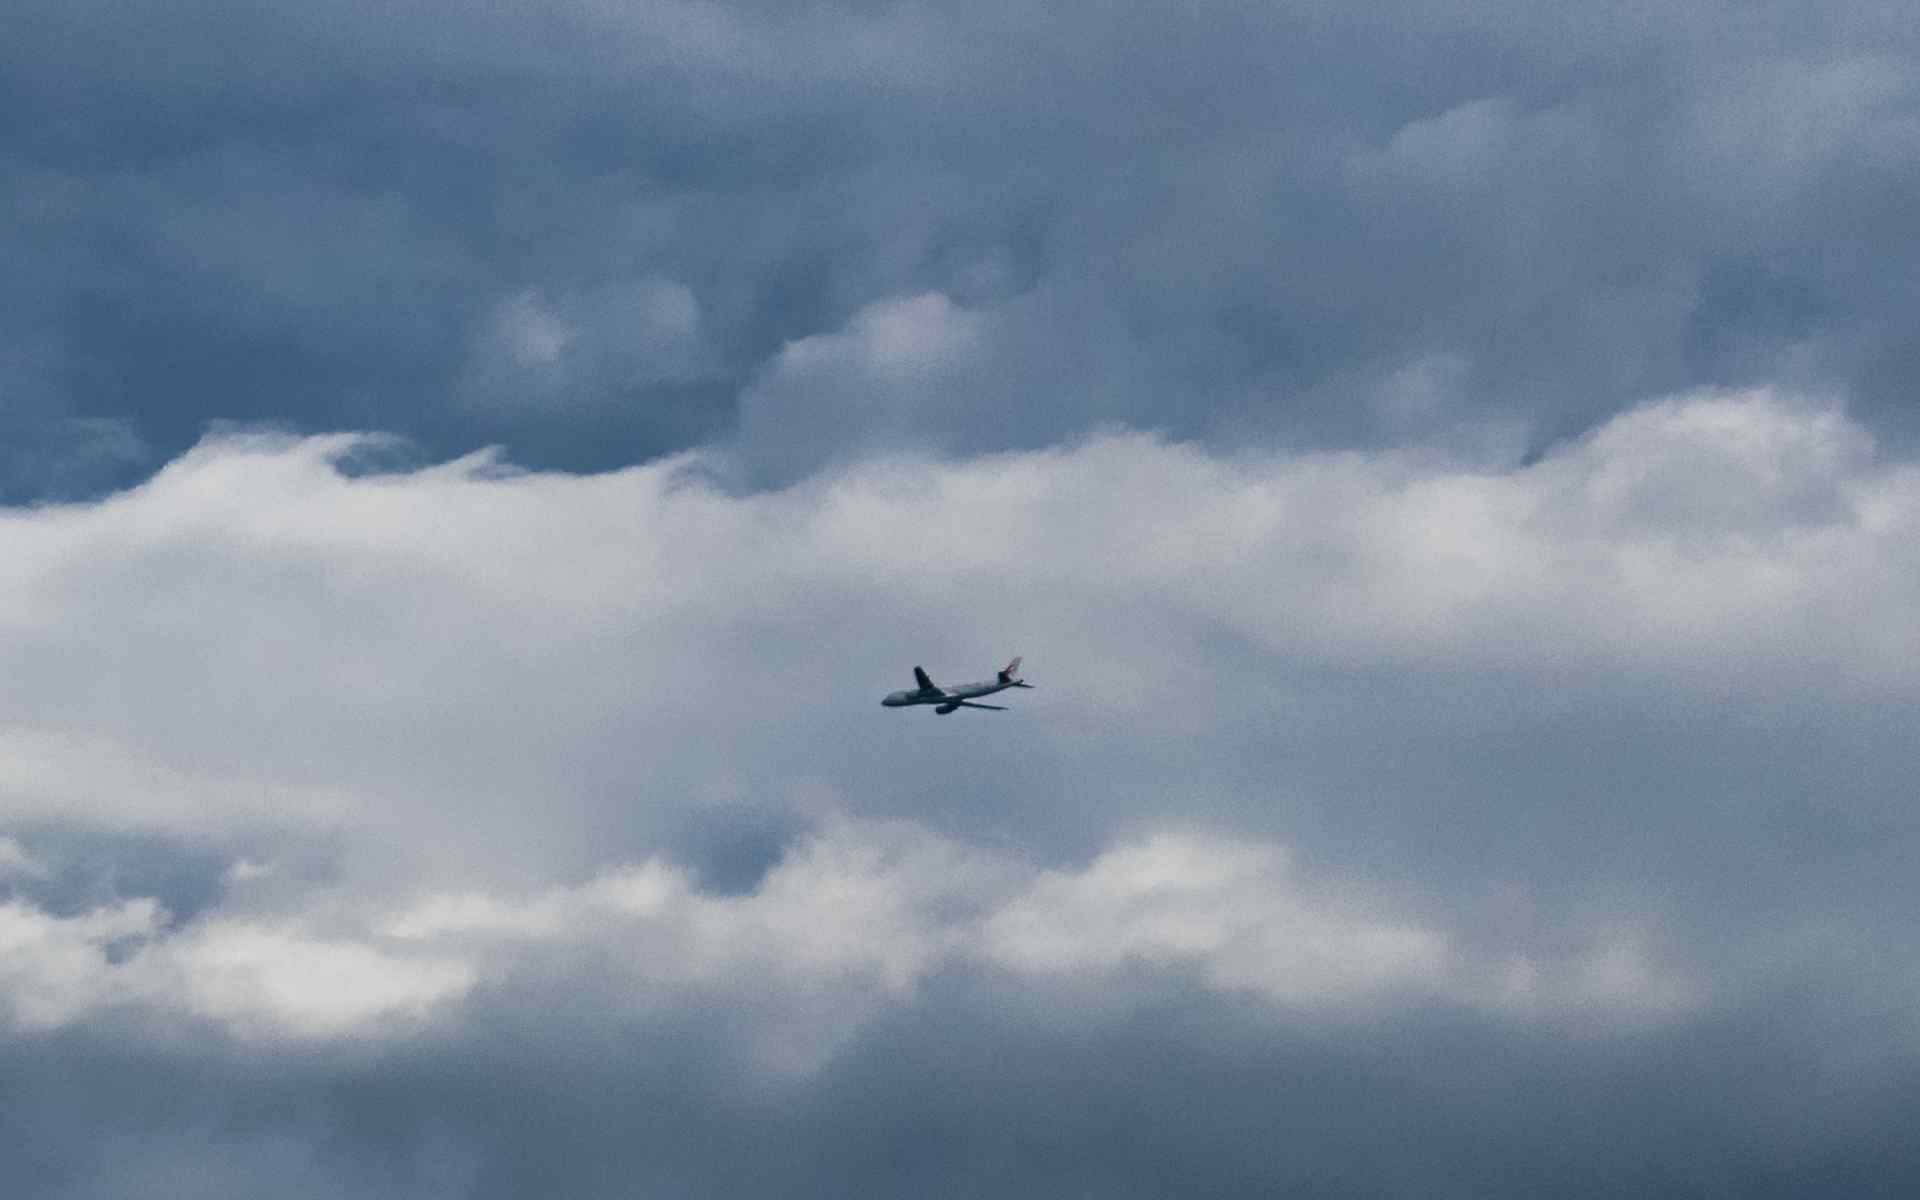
952,698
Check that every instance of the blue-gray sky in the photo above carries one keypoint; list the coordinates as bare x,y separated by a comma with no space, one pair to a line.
473,470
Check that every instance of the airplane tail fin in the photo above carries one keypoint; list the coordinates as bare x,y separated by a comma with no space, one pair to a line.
1007,676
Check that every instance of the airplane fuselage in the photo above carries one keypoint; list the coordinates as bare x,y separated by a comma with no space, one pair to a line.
965,691
953,699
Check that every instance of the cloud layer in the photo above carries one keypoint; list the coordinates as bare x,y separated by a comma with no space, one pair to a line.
1370,766
601,233
471,472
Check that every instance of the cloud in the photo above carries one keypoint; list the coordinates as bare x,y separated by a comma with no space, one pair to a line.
1233,229
287,981
462,782
1448,468
831,397
55,967
1224,905
257,979
1707,542
1730,562
605,346
15,862
852,926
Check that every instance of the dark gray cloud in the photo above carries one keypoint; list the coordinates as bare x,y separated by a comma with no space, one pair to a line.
961,1094
1484,222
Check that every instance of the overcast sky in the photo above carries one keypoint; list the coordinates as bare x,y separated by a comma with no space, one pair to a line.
471,472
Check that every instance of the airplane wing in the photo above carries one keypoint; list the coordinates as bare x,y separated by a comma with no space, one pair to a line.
926,685
977,704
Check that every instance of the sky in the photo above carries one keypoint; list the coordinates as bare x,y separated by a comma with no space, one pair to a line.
468,474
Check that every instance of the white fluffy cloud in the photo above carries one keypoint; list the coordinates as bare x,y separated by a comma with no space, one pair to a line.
473,689
254,637
256,979
855,919
51,968
270,619
554,774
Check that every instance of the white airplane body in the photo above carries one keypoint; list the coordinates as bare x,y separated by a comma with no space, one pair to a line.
947,700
